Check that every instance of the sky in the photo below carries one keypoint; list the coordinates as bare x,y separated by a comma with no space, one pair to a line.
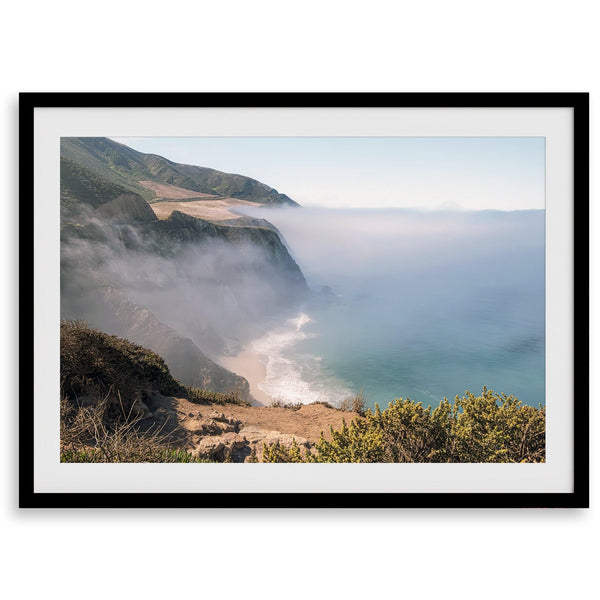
470,173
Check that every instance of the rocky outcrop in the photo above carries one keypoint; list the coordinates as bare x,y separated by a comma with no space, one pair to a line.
257,437
210,424
227,447
214,436
126,208
168,237
240,446
210,434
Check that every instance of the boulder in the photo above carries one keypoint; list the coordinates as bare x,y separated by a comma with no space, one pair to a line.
223,447
257,438
233,441
217,416
208,426
210,447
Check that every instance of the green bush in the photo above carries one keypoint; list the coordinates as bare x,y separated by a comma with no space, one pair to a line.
473,429
104,382
94,363
276,453
496,428
358,442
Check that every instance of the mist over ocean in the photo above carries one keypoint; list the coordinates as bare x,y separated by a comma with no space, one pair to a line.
406,303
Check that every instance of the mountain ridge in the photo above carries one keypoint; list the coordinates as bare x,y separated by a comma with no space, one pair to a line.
123,167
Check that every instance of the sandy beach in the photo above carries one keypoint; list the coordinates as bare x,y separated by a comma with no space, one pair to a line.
247,364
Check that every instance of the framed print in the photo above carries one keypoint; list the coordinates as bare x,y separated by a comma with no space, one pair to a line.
304,300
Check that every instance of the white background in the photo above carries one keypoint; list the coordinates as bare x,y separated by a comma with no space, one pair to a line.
291,46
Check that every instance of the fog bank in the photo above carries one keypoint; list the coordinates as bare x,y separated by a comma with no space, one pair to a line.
426,304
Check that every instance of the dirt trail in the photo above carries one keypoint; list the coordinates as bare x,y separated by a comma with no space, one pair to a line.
306,422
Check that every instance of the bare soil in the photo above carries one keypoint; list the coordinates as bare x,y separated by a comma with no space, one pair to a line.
306,422
172,192
210,210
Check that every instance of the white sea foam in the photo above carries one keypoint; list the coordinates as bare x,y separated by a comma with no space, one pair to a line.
293,376
301,320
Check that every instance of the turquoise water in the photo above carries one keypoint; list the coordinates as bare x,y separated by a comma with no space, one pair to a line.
423,305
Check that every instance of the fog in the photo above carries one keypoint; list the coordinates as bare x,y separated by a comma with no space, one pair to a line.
218,293
404,303
422,303
325,239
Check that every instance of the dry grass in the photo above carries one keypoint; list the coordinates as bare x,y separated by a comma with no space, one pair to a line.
210,210
357,404
88,434
173,192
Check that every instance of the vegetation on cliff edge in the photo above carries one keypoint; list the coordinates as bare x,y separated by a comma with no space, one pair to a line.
105,381
472,429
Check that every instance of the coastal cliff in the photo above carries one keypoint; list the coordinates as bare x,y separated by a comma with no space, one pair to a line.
190,288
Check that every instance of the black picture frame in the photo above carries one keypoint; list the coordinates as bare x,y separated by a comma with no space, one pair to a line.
578,498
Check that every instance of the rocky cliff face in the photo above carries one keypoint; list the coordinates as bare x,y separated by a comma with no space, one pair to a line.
170,237
120,316
186,288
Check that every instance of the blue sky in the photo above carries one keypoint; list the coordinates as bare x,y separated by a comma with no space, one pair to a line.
473,173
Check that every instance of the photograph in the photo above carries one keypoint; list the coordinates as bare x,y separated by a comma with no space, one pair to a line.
314,299
304,299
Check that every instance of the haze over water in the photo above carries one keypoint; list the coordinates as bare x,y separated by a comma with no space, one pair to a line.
422,303
418,304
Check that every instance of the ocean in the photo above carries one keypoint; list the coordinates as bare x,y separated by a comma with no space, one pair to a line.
410,304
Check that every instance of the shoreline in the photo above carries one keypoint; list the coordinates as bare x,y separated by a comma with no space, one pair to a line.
247,364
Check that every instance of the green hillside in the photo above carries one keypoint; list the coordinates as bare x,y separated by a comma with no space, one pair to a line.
119,165
80,185
95,364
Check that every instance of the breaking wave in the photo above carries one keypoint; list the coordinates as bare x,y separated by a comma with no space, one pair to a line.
292,375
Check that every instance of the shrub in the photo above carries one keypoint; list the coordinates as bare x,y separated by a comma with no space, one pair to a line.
358,442
286,405
496,428
410,433
199,396
324,403
486,428
93,362
356,404
88,436
276,453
